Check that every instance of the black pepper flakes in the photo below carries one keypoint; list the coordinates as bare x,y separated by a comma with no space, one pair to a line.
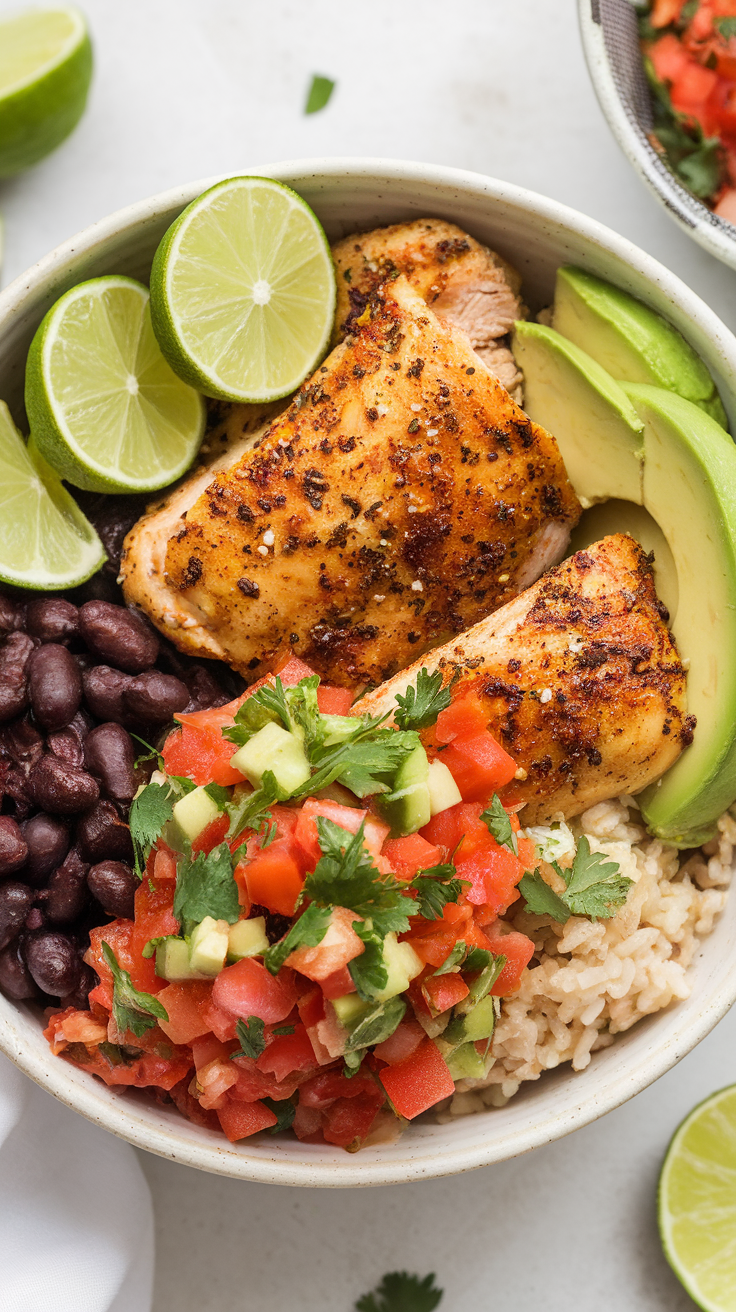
249,588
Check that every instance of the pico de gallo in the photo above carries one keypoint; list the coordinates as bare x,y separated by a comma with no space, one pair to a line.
316,943
689,51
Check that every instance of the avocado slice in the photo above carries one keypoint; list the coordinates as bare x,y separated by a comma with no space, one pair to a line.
690,490
443,791
630,341
597,428
247,938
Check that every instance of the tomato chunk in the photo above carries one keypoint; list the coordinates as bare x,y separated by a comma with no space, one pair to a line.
518,950
275,876
405,1040
288,1053
443,991
479,766
409,855
212,835
419,1082
184,1004
247,989
493,872
465,717
241,1119
347,817
340,945
349,1120
334,701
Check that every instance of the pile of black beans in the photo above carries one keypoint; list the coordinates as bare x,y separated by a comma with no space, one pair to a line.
75,680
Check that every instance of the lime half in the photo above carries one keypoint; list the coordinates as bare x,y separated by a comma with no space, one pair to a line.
243,291
45,540
45,72
697,1203
104,407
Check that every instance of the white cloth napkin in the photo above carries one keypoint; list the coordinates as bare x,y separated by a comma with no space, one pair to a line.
76,1224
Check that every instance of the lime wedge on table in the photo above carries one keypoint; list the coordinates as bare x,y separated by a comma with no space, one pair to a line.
45,540
104,407
697,1203
45,72
243,291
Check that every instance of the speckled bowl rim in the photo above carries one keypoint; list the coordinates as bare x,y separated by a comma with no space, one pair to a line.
383,191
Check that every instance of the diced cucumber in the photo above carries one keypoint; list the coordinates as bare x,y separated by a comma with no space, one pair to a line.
172,961
350,1009
407,807
192,814
465,1063
274,748
339,727
443,791
402,964
208,946
247,938
474,1025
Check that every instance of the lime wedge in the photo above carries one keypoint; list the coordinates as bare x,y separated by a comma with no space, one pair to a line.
697,1203
104,407
45,540
243,291
45,72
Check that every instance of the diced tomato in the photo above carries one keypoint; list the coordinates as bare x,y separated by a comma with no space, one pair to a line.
252,1083
338,983
464,718
288,1053
493,872
200,751
692,87
419,1082
311,1006
151,1069
290,669
459,829
479,766
191,1107
307,1125
434,948
349,1120
154,918
474,937
405,1040
121,937
334,701
527,853
220,1022
212,835
207,1049
247,989
409,855
184,1004
275,876
214,1080
161,864
518,950
340,945
347,817
322,1090
241,1119
665,12
443,991
668,57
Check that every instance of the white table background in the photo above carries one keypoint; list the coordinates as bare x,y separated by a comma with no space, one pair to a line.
189,88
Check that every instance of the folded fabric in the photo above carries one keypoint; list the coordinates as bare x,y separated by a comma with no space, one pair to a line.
76,1224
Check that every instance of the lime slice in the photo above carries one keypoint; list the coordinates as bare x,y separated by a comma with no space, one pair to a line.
45,72
697,1203
45,540
243,291
104,407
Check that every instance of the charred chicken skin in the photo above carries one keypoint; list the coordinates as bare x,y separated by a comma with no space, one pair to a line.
402,496
581,680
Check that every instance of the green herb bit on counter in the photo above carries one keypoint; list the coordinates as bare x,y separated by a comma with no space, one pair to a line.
401,1292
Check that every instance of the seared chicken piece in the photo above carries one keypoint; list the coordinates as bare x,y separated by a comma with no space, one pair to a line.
400,497
465,284
581,679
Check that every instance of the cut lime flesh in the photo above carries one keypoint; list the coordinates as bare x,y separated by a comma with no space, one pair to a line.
45,540
243,291
697,1203
104,407
45,72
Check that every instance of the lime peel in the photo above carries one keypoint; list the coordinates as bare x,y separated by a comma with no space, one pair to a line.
45,73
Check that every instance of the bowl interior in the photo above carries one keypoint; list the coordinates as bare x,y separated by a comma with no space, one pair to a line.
535,235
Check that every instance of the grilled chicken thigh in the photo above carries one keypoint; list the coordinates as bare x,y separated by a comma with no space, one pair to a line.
581,679
400,497
465,284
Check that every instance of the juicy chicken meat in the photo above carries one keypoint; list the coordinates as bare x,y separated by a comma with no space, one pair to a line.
399,498
465,284
581,679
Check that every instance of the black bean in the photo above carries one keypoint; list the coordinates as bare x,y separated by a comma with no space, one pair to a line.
35,918
13,846
118,635
12,615
52,619
66,895
67,747
154,697
204,690
103,836
24,743
16,901
54,685
114,883
79,997
62,789
53,961
103,692
15,978
110,756
15,786
14,655
48,843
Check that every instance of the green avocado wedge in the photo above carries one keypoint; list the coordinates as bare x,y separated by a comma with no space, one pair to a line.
631,341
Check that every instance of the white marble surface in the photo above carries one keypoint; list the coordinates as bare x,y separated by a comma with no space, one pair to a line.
188,88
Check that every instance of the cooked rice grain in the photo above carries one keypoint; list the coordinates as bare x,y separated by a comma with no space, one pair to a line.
587,982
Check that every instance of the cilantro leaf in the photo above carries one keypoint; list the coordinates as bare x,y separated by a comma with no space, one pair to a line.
594,888
306,932
250,1037
489,973
477,959
368,972
220,796
401,1292
726,27
283,1029
345,876
435,887
541,899
420,706
378,1025
250,810
698,161
205,887
353,1062
498,822
131,1009
284,1110
266,705
456,957
149,812
365,762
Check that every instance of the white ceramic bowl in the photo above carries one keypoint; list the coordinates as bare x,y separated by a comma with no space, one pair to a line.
536,235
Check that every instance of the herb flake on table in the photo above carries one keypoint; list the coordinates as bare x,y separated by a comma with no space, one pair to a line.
401,1292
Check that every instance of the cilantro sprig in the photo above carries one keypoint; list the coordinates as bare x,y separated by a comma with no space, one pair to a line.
498,823
131,1009
150,811
205,887
306,932
346,876
594,887
419,706
250,1037
401,1292
435,887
